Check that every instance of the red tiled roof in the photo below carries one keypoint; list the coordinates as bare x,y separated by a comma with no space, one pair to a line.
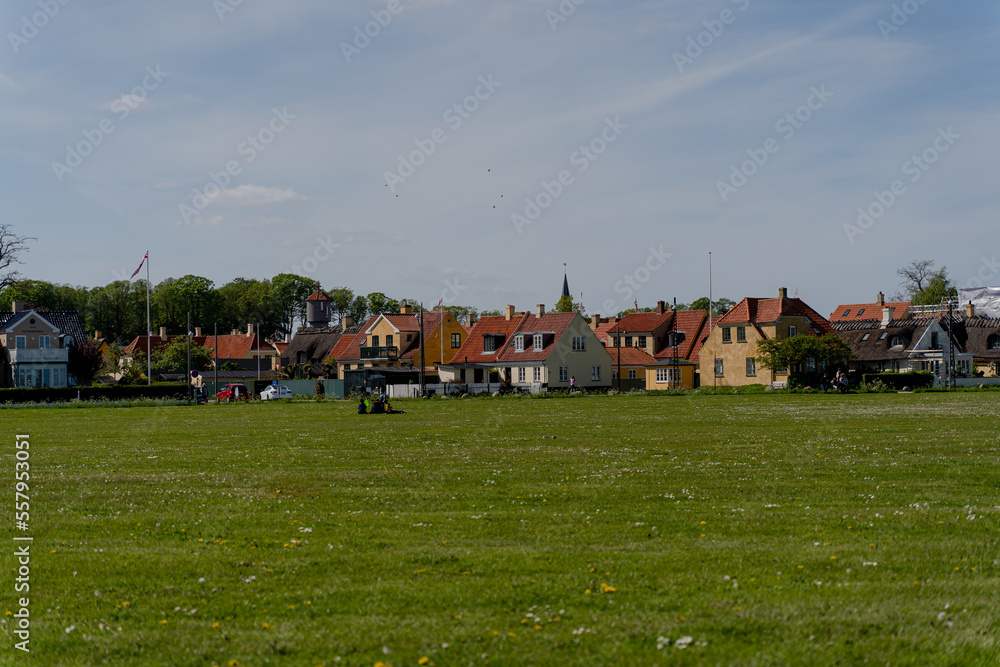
318,295
553,324
630,356
348,348
231,346
643,322
431,322
497,325
756,311
852,312
692,323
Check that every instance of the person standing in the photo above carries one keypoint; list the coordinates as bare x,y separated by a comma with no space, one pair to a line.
572,382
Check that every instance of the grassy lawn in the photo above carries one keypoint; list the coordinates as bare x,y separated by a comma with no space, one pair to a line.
630,530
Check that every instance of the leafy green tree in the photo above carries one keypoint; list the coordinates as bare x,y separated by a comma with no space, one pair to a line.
565,304
380,303
359,309
85,362
490,313
776,353
938,289
173,358
287,299
131,370
718,305
118,310
242,301
923,285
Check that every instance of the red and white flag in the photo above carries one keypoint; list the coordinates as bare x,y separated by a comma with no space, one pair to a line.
637,305
144,258
440,302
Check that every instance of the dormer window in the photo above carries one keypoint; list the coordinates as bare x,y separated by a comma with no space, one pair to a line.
993,342
642,342
537,343
628,341
489,344
519,343
895,341
793,330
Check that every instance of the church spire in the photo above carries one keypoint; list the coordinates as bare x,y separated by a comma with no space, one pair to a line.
565,291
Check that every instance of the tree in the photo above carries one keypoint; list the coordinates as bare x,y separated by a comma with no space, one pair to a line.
85,362
242,301
11,247
359,309
777,353
718,305
915,276
118,310
287,299
380,303
173,358
461,313
116,363
937,289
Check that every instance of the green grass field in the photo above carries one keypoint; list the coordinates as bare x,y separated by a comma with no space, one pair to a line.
757,530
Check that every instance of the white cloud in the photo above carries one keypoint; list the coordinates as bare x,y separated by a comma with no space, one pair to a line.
256,195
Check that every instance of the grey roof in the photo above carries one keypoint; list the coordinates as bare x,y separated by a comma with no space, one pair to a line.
971,334
67,321
316,344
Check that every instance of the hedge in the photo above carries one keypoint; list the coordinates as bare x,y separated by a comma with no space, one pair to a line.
915,380
96,393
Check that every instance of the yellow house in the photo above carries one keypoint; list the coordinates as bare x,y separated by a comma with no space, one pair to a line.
728,356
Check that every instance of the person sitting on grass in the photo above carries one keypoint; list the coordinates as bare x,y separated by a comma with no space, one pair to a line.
362,409
378,407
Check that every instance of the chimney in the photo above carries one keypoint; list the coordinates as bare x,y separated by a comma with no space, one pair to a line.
782,292
163,333
97,335
405,309
234,332
509,313
540,310
472,319
661,307
348,321
249,330
19,306
595,321
886,317
197,332
880,299
288,338
970,310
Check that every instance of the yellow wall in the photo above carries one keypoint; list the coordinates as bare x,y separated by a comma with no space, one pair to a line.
432,354
687,378
734,354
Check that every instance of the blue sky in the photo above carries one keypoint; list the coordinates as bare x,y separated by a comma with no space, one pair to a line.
644,130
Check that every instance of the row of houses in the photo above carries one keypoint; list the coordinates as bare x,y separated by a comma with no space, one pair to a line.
663,349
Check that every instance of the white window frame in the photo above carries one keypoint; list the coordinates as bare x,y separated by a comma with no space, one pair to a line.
564,373
793,331
727,335
579,343
751,367
595,373
632,375
720,368
520,373
519,343
538,374
456,341
489,344
537,342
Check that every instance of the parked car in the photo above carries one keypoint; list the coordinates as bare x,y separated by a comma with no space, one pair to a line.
233,392
273,393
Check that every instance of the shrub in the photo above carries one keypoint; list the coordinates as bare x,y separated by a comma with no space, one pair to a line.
98,393
896,381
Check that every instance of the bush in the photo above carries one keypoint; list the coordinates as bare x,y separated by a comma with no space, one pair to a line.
160,390
917,380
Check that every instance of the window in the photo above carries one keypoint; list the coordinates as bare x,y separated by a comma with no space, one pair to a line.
810,365
781,370
595,373
727,336
44,342
21,342
895,341
631,374
388,341
865,337
520,374
538,343
564,373
628,341
374,341
614,373
538,373
751,367
489,344
846,313
884,334
993,342
934,340
793,331
642,342
616,341
861,312
519,344
347,367
456,341
579,344
409,337
719,368
671,375
741,334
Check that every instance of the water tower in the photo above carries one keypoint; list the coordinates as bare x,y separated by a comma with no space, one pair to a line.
318,310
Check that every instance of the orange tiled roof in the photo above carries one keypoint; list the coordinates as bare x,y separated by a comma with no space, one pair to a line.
472,352
855,312
757,311
630,356
554,325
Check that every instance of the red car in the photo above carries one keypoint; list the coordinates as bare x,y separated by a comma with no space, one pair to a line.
233,392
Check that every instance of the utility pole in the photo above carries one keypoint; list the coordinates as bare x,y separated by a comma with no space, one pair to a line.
618,344
216,357
676,342
190,387
951,348
423,380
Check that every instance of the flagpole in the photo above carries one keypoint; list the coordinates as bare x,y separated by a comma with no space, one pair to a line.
149,332
710,292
